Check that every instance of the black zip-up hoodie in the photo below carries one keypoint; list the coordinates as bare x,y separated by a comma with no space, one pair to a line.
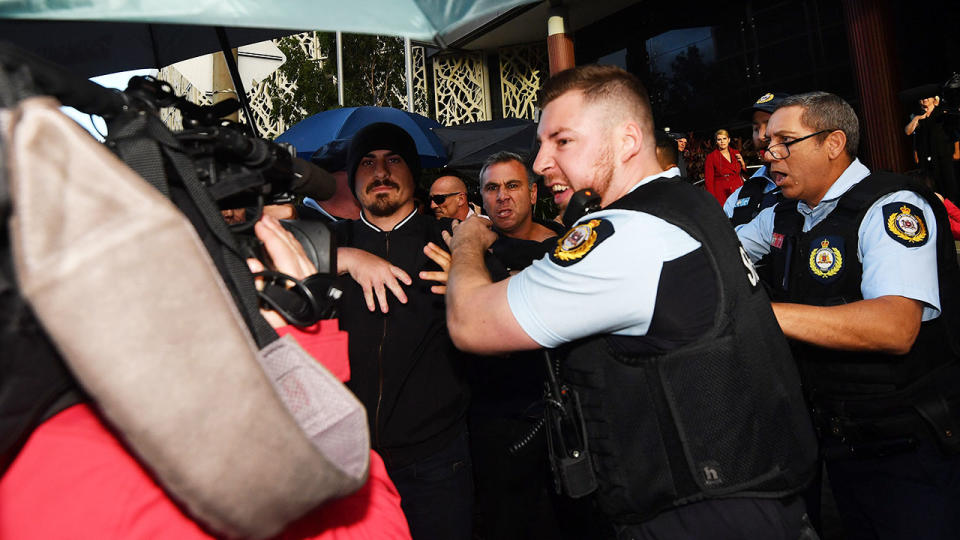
403,366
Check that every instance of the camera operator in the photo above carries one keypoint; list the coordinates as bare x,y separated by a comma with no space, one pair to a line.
74,474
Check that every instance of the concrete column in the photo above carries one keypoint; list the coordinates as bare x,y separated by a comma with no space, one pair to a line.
872,52
559,44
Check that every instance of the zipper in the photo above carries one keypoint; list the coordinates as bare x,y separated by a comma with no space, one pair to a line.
383,337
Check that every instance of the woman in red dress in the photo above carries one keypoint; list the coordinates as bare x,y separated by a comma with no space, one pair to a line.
722,168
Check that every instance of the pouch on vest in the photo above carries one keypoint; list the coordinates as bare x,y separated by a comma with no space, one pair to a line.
129,295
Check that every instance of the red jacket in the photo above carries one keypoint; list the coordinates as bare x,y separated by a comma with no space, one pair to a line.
75,479
722,177
954,214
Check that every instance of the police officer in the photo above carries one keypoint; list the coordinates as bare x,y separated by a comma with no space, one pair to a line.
690,400
759,191
866,287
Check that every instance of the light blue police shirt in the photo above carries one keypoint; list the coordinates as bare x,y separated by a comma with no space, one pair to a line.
889,267
611,290
731,203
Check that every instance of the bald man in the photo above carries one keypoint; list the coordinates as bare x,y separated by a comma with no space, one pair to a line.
448,197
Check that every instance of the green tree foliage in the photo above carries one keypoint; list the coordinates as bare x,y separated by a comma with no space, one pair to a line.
373,72
316,87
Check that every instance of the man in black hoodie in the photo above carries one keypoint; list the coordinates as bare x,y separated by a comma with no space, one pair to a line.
403,365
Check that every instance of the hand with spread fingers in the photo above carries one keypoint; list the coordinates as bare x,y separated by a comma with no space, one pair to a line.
442,258
287,255
374,274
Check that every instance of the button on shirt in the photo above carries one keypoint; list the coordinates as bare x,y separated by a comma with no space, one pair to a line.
889,267
731,204
611,290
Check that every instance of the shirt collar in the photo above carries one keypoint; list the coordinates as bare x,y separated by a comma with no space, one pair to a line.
764,172
310,203
402,222
669,173
854,173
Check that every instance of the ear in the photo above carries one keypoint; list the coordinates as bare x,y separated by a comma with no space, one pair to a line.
835,143
533,193
630,139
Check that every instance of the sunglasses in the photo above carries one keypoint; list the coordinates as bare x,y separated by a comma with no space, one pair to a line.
442,198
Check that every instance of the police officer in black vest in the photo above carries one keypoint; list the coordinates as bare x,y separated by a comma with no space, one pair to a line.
671,362
759,191
865,282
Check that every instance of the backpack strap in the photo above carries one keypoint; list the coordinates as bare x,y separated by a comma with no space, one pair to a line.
149,147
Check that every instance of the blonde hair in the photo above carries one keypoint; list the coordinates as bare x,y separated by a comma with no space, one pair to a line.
720,132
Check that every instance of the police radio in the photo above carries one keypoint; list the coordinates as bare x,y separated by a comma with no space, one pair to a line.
581,203
566,437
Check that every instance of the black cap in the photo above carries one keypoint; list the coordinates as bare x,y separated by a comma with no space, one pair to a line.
382,136
766,103
676,135
332,156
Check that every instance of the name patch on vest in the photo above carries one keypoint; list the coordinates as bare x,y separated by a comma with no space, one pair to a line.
742,202
581,240
905,224
826,257
777,241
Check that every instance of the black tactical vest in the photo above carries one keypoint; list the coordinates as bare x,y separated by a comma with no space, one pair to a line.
718,415
755,200
855,392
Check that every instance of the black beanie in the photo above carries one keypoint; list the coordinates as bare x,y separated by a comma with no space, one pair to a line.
382,136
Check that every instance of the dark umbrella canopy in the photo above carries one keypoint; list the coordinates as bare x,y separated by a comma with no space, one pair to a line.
469,144
98,48
311,133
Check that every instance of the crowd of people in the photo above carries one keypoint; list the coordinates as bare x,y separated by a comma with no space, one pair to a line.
717,347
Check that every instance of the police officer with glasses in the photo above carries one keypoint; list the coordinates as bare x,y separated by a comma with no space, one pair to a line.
865,283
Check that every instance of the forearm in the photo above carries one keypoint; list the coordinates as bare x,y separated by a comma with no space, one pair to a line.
911,126
888,324
468,278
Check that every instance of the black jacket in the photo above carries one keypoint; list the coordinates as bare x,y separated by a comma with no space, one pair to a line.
403,366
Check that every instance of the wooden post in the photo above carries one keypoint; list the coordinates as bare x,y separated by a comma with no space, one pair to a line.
559,44
871,38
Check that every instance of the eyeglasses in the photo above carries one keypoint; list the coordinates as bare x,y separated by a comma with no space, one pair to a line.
442,198
782,150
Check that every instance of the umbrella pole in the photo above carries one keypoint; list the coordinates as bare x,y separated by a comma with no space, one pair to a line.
237,81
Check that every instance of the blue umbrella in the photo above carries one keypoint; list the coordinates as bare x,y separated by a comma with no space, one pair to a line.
311,133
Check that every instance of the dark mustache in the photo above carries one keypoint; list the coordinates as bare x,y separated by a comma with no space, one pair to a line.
386,182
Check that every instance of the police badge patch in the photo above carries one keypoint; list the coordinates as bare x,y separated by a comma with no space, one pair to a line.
766,98
826,257
580,240
904,223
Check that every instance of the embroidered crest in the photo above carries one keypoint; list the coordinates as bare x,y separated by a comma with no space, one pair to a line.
742,202
580,240
777,240
766,98
905,224
826,260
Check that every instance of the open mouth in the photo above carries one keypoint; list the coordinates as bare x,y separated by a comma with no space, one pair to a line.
778,178
561,194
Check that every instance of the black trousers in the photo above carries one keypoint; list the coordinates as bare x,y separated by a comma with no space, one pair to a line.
436,493
910,495
727,519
